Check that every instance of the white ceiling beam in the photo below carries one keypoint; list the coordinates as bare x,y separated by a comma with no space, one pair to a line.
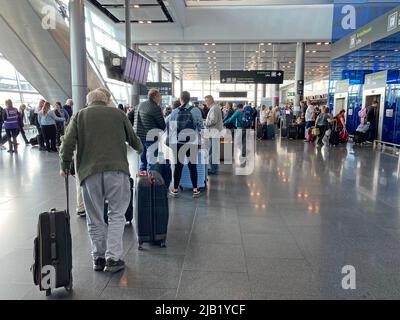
178,12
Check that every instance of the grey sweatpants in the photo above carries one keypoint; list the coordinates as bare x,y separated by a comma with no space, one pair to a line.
112,186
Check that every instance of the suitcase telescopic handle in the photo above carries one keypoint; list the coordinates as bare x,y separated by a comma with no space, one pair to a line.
67,191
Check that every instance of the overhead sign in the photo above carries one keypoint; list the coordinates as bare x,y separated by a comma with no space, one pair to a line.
349,16
233,94
376,80
342,86
378,29
255,76
165,88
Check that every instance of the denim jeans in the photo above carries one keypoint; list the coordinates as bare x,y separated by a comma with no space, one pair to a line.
145,158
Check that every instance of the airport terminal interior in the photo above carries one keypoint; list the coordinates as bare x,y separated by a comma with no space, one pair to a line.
307,209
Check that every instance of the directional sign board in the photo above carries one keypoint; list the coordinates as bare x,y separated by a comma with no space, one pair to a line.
165,88
255,76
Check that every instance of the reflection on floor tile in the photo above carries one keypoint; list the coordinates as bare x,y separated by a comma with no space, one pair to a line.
284,232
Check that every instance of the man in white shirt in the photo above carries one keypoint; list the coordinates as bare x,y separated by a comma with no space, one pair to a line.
309,118
213,121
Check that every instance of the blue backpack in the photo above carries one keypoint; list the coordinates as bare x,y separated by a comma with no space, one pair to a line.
248,119
184,121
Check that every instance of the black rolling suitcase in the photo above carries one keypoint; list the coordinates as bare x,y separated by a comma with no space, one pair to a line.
129,211
292,132
334,139
151,209
52,267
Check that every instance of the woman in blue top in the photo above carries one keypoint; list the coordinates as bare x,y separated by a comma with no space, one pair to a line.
47,120
237,121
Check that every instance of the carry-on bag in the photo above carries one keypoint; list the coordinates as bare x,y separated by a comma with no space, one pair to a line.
344,136
151,209
129,211
334,139
52,253
270,132
186,181
283,128
292,132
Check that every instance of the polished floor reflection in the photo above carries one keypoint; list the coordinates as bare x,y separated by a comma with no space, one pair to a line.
284,232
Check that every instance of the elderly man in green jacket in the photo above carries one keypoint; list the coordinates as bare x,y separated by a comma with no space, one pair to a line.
99,134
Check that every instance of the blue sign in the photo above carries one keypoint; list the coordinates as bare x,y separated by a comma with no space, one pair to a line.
352,15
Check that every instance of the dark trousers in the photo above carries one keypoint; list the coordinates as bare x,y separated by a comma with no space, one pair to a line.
50,134
40,136
12,135
21,129
179,166
59,134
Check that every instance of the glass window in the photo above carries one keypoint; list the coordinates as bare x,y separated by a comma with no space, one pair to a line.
14,96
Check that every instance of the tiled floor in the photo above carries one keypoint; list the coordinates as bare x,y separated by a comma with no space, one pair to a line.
284,232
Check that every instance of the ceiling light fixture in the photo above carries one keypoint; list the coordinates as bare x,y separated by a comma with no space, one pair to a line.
136,6
206,44
319,43
213,44
149,22
327,43
270,44
141,22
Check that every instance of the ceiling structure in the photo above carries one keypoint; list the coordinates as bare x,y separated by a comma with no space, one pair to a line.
200,61
185,30
143,11
200,3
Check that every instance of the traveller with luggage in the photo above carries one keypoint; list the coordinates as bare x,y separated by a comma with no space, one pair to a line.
213,122
309,119
103,172
185,124
21,124
322,123
11,125
360,136
148,116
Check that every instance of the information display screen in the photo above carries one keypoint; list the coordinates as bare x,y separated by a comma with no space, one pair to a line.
255,76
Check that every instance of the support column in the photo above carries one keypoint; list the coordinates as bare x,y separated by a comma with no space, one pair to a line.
255,95
275,93
78,54
181,82
300,58
264,91
173,79
159,72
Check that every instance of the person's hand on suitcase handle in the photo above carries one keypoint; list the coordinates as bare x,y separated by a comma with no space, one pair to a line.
64,173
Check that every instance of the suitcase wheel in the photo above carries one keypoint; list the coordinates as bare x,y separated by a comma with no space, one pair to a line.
48,292
68,288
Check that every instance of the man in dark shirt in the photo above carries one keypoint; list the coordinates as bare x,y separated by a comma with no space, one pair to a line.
69,107
371,119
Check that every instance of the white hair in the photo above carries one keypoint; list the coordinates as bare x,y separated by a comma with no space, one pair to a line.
69,102
96,96
106,92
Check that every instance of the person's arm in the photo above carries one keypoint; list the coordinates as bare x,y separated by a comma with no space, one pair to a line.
131,136
231,119
53,115
68,145
159,118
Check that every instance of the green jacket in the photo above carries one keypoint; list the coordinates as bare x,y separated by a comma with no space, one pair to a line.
99,133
